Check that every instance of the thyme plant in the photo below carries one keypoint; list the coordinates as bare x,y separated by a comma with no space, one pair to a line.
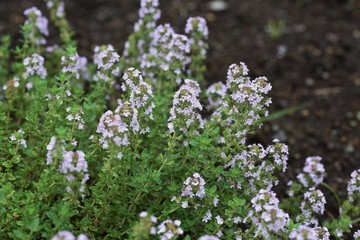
118,147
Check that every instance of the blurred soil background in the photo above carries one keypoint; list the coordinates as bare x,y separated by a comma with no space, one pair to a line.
309,50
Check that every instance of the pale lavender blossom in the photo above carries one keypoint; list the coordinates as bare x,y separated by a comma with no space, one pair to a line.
272,220
313,172
184,116
208,237
322,233
117,127
198,25
357,235
353,187
75,117
264,199
106,60
216,93
304,232
152,220
197,31
168,52
140,95
113,128
19,138
219,220
207,217
40,25
50,148
194,187
57,6
312,205
67,235
74,166
169,229
267,215
149,13
338,232
192,85
34,66
13,83
129,115
279,151
246,98
73,64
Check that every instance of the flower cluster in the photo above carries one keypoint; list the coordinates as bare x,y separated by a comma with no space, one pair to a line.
39,26
255,167
166,230
215,93
303,232
246,103
51,150
74,64
267,215
75,167
58,6
169,229
246,91
168,51
279,152
106,60
194,186
197,30
148,221
67,235
140,96
312,205
34,65
12,83
357,235
149,13
197,25
353,187
117,126
184,116
313,174
75,116
208,237
113,128
18,138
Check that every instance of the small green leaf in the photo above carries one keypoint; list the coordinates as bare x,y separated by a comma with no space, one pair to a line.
18,234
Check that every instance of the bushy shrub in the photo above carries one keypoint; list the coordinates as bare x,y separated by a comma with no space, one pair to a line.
119,148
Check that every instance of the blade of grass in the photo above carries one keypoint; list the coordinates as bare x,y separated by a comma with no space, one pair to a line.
283,112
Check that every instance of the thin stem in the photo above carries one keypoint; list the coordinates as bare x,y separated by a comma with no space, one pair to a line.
355,220
327,186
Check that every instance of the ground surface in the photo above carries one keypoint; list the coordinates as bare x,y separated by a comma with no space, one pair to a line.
315,63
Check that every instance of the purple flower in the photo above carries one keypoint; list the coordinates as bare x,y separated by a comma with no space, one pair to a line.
34,65
353,187
40,28
194,186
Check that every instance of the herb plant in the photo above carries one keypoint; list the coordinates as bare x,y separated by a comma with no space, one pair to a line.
120,148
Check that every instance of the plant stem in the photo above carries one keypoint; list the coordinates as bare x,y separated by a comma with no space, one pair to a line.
327,186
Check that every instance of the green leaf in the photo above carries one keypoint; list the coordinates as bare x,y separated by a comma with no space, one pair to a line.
61,132
33,225
18,234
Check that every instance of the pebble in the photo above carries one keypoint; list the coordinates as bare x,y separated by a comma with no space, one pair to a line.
309,81
217,5
281,51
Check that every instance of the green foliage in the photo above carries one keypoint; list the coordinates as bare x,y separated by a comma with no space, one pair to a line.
276,28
